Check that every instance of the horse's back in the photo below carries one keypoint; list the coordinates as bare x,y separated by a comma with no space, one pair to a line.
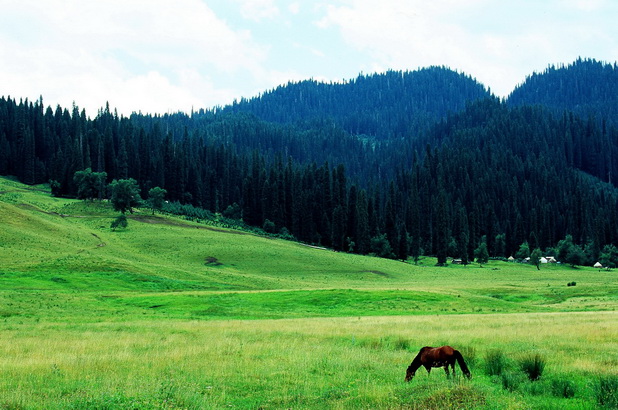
440,353
447,350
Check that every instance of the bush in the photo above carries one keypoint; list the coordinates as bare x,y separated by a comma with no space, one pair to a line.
533,366
571,283
563,388
269,226
607,392
511,380
495,363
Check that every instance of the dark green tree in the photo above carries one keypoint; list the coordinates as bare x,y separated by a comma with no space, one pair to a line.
535,258
125,195
89,184
381,247
156,198
480,253
609,256
569,252
500,245
523,252
233,211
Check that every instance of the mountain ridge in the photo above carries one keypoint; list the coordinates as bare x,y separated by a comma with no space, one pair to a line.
400,180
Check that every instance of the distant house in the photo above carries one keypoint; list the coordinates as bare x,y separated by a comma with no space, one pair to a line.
543,259
511,259
551,259
456,262
598,265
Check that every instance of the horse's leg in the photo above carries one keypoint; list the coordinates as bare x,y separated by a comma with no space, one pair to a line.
448,376
428,367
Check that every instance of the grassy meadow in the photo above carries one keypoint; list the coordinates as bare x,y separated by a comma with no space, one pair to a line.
176,314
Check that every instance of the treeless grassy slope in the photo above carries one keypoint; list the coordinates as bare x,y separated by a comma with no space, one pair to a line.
170,313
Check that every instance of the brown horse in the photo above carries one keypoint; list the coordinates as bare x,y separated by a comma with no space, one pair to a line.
444,356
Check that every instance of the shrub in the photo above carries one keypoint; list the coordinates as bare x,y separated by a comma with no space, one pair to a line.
563,388
269,226
511,380
571,283
533,366
495,362
607,392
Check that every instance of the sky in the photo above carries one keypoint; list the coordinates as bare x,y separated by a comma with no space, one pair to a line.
158,56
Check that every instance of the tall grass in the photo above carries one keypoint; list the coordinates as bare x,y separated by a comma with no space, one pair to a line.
307,363
138,318
533,366
607,391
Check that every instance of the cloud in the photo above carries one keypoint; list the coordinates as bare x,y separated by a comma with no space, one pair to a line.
258,10
499,43
125,52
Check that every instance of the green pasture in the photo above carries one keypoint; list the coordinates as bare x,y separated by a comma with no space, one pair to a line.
176,314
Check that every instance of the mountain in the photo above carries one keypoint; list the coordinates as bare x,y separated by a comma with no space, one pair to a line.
396,164
387,105
586,87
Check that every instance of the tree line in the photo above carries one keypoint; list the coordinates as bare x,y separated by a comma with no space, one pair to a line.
489,178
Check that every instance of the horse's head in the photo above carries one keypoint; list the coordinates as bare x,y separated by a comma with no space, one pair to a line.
409,374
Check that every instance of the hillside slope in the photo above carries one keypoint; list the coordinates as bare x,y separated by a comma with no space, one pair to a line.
586,87
61,261
393,104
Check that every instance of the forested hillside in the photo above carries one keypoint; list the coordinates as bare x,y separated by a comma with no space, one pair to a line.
586,87
394,104
397,164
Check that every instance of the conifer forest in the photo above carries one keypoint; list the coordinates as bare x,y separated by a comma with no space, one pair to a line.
398,164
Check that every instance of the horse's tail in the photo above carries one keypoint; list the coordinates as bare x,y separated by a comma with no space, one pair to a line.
462,364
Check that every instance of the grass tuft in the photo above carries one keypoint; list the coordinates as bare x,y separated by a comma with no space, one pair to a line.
461,396
607,391
563,388
495,362
533,366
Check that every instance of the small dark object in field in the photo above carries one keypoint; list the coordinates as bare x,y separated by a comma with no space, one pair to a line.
571,283
444,356
212,261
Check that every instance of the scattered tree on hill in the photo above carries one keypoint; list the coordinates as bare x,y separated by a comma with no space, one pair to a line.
535,258
609,256
156,197
400,167
125,195
380,246
569,252
480,253
55,187
233,211
89,184
523,252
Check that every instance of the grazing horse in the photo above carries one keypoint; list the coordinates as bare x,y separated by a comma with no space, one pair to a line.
444,356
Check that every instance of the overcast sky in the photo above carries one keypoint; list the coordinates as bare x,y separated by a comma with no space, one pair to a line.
157,56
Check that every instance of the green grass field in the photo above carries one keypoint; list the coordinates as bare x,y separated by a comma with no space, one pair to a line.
174,314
